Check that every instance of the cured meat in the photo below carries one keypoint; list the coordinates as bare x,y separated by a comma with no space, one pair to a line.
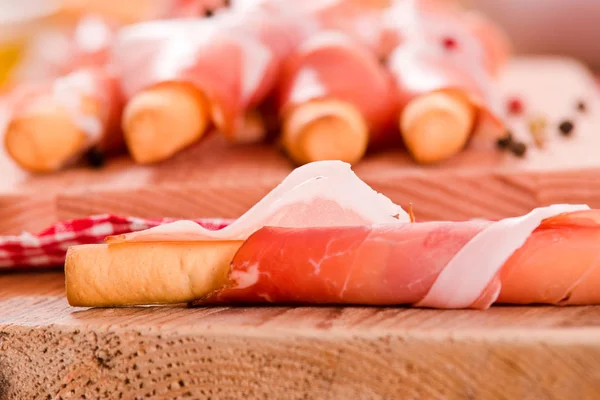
335,97
231,61
323,236
325,193
444,77
443,61
361,20
182,261
52,124
547,256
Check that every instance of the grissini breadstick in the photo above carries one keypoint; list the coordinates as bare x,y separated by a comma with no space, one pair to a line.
445,83
437,125
150,58
335,100
325,130
324,237
51,125
231,61
182,261
160,121
146,273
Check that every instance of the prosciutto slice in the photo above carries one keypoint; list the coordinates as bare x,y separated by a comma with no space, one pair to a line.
331,65
440,50
233,58
90,96
547,256
325,193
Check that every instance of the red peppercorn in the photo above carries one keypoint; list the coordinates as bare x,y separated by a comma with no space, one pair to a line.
449,43
515,106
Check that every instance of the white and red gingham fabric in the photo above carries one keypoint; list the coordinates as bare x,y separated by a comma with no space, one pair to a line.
49,247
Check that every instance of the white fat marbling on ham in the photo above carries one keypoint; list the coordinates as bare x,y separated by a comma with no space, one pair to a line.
245,276
323,193
468,274
307,86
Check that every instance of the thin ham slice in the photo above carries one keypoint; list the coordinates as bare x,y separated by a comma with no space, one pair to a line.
90,95
434,264
331,65
325,193
234,58
441,50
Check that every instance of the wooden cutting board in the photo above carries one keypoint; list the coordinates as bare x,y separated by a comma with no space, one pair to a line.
49,350
214,179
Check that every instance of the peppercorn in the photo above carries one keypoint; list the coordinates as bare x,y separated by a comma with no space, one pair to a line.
566,128
515,106
537,124
505,141
449,43
518,148
581,106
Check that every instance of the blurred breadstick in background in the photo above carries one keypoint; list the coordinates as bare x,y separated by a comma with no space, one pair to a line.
445,79
437,125
325,130
181,77
335,99
160,121
51,125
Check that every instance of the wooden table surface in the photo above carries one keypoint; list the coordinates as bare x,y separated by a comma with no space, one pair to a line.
49,350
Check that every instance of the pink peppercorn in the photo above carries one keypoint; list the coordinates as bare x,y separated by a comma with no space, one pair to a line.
449,43
515,106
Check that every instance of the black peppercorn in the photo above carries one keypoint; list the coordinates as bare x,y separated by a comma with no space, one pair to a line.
566,128
95,158
518,148
581,106
209,13
505,141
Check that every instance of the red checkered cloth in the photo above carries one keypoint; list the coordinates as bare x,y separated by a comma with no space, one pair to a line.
49,247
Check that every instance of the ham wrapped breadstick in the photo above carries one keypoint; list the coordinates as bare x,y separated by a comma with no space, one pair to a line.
335,99
183,261
53,122
444,72
324,237
548,256
51,125
182,75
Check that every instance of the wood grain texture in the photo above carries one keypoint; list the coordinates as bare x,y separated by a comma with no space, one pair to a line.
215,179
50,350
193,185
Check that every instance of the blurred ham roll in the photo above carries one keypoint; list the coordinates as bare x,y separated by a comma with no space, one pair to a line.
362,20
497,47
200,72
335,99
53,124
444,75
